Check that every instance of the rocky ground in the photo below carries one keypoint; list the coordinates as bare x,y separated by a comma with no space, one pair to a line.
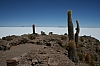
15,51
48,50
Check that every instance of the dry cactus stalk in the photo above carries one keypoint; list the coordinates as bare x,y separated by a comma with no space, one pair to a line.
77,32
70,26
33,28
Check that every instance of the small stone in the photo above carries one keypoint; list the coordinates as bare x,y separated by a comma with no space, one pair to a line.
51,61
48,44
34,61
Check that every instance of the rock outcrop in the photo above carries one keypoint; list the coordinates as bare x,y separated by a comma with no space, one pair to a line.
46,56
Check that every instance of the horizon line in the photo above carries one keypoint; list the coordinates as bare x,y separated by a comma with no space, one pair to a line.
48,26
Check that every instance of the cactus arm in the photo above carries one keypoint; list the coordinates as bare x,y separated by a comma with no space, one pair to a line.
78,28
77,32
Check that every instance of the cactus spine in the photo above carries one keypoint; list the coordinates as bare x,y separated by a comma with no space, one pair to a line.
77,33
70,26
33,26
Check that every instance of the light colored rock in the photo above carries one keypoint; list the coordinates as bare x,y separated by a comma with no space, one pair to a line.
8,46
23,55
34,60
16,58
52,62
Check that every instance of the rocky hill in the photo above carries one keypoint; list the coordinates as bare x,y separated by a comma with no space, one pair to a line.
52,50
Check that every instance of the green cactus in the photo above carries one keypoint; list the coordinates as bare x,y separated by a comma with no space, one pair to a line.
70,26
77,32
71,43
33,26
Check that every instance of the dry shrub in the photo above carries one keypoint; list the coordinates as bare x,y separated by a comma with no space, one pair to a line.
97,49
80,45
81,56
31,36
82,39
60,42
50,33
88,58
65,34
63,37
43,33
65,46
8,38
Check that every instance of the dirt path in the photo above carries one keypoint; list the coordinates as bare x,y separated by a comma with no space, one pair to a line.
17,51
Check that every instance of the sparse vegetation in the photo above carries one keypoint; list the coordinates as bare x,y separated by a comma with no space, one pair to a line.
8,38
51,39
31,36
54,40
81,38
63,37
14,36
81,56
80,45
97,49
88,58
65,34
43,33
80,50
92,63
60,42
65,46
50,33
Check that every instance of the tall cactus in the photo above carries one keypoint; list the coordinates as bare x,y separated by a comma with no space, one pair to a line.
33,26
71,43
70,26
77,32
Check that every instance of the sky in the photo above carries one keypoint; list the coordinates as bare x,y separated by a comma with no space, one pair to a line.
49,12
